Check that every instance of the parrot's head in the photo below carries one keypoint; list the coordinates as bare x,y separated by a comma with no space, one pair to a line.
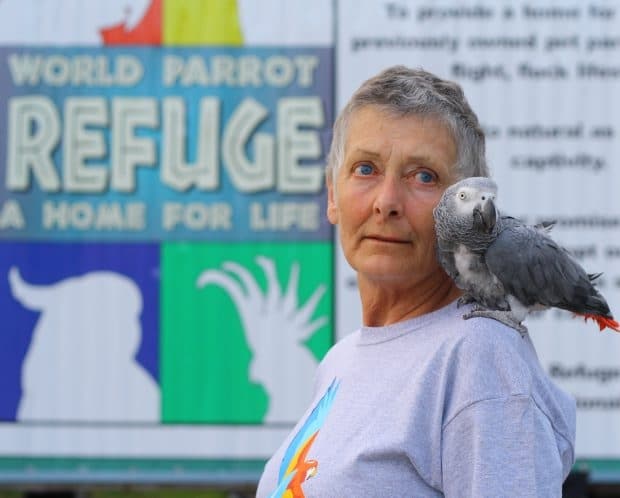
469,203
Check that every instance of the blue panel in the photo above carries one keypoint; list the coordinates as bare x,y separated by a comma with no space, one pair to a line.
48,263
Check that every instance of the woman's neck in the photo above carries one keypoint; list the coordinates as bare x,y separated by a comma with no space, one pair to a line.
384,303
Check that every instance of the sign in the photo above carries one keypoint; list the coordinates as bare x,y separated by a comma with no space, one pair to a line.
175,144
165,255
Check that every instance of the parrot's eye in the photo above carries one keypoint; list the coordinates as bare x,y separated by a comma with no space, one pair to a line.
462,195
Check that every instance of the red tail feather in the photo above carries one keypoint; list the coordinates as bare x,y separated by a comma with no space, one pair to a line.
603,322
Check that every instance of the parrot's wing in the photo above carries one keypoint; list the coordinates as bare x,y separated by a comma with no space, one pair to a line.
446,260
536,270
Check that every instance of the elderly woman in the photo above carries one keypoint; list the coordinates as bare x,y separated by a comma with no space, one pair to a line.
418,402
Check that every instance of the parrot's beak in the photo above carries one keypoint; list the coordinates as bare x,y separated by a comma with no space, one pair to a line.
485,216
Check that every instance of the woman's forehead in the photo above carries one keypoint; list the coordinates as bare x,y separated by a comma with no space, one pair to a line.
376,132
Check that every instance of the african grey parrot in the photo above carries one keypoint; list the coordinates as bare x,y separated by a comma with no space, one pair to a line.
508,268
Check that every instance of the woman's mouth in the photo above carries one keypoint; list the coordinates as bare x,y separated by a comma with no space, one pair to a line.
388,239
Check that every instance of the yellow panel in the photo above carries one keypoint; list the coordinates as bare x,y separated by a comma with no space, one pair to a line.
201,22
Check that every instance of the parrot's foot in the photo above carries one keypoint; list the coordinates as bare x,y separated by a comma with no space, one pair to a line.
501,316
485,304
465,299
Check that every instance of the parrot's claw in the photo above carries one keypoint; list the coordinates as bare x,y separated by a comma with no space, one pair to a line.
465,299
501,316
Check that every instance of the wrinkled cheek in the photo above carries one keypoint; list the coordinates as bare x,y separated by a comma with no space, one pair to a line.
347,251
350,246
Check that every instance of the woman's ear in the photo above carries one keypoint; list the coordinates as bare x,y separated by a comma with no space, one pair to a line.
332,208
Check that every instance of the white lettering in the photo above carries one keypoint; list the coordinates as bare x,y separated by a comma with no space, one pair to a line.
34,132
281,216
129,150
247,70
11,215
65,215
61,70
306,65
279,71
295,145
82,143
197,216
172,68
223,70
195,72
245,175
176,171
104,149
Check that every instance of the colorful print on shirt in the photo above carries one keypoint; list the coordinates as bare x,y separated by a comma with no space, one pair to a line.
295,468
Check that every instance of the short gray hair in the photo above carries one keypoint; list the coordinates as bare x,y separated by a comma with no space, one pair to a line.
402,91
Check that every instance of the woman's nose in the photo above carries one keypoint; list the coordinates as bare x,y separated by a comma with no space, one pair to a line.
388,202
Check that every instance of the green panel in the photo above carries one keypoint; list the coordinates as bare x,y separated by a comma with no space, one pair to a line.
152,465
152,493
601,470
205,357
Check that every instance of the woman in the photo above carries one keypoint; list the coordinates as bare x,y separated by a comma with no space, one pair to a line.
418,402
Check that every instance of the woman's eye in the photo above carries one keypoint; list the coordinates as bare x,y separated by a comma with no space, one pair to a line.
425,176
364,169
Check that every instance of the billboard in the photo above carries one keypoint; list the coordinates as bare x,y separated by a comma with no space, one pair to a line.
162,210
165,254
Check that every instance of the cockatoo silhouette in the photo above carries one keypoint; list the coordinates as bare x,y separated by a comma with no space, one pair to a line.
276,327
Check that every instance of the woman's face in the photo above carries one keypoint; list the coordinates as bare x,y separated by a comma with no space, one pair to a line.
393,174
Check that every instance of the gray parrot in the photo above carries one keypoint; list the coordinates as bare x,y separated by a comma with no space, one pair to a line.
505,267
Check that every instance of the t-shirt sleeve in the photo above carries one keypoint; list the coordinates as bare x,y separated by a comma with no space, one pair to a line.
502,447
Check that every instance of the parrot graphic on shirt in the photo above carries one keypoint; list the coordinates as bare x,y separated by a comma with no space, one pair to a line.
505,267
295,468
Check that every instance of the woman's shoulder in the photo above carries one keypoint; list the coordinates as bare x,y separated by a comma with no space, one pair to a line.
486,336
484,352
488,359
